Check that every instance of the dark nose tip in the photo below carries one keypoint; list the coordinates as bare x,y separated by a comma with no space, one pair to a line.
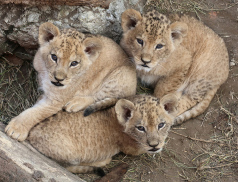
153,145
59,79
145,62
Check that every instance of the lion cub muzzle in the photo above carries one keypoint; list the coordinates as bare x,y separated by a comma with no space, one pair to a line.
59,77
145,62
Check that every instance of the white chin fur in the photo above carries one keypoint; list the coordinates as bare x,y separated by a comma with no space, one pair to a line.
141,68
158,151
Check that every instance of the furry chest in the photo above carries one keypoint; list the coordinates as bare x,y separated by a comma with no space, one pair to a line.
149,80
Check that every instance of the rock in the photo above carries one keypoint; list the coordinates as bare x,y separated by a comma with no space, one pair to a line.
19,23
232,62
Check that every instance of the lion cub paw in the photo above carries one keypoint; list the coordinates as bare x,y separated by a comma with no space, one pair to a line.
17,130
78,104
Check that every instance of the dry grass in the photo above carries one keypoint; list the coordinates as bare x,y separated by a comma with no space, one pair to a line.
18,89
186,6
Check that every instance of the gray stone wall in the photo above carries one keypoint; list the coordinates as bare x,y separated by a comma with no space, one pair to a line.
19,24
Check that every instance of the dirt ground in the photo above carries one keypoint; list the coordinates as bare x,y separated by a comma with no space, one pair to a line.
201,149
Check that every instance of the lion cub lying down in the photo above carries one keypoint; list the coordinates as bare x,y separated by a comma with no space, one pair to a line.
75,70
183,57
136,125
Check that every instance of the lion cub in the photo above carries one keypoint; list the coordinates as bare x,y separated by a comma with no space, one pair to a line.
183,57
138,124
75,70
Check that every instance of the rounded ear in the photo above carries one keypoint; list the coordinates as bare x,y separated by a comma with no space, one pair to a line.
178,31
169,103
92,47
47,32
124,110
129,19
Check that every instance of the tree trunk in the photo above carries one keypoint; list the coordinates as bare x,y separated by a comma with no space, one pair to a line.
20,162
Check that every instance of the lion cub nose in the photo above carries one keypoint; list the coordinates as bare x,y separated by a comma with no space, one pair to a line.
153,144
59,76
59,79
145,61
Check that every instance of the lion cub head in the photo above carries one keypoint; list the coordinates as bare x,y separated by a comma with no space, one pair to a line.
67,54
150,38
147,120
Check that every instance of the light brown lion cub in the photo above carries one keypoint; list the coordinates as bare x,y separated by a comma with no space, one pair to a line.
75,70
183,57
136,125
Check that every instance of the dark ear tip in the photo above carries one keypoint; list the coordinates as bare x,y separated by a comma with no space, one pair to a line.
127,113
88,50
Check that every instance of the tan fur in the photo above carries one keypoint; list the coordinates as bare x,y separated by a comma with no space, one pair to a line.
79,142
102,70
183,57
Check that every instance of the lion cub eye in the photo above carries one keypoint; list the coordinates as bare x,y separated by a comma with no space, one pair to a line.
140,41
54,57
159,46
74,63
140,128
161,125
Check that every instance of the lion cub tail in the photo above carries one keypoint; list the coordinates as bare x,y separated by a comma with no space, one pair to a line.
197,109
86,169
102,104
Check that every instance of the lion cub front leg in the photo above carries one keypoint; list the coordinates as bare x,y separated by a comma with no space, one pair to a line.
168,85
19,127
78,103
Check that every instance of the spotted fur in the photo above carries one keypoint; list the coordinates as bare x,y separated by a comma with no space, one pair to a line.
135,125
180,56
75,70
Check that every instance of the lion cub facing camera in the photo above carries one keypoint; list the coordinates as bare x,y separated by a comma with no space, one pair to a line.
75,70
183,57
138,124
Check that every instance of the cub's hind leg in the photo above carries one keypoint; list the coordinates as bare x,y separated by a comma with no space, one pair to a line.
98,163
190,107
85,169
169,84
90,167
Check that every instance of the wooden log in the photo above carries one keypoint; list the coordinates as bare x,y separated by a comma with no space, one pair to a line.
22,163
94,3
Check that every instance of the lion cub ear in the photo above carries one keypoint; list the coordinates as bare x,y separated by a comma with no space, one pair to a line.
169,103
178,31
92,47
124,110
47,32
129,19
